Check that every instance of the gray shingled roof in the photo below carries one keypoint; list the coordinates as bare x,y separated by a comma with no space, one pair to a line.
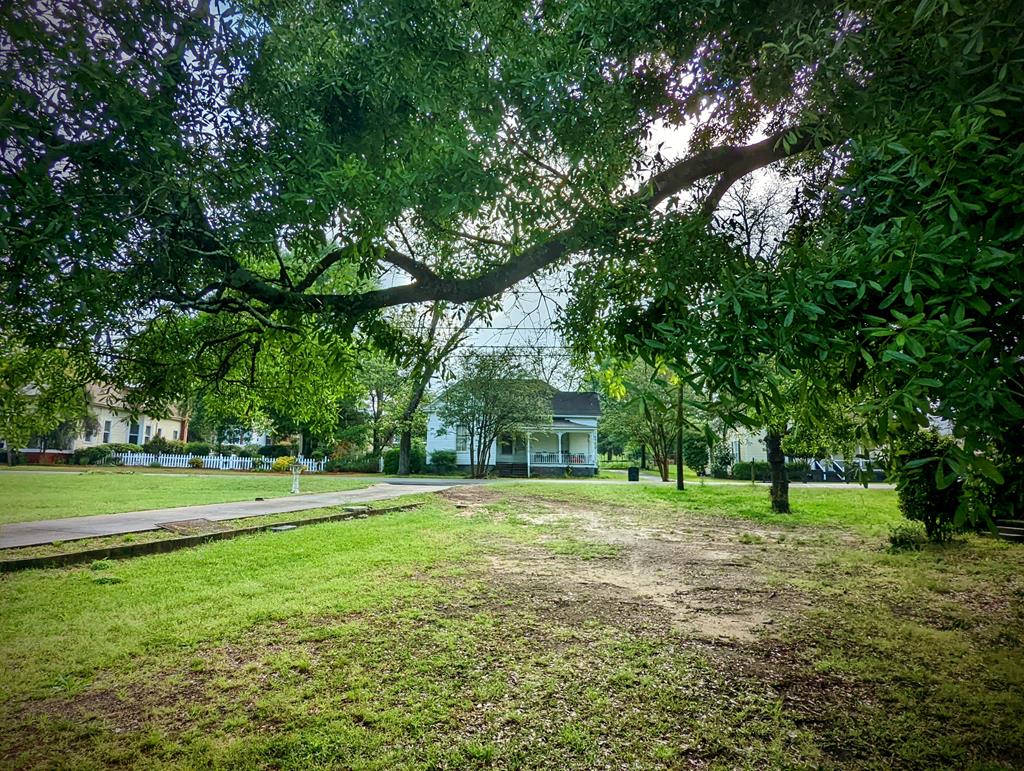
575,403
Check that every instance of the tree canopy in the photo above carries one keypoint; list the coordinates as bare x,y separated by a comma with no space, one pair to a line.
305,165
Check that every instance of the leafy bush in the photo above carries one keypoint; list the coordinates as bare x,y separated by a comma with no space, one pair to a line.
284,463
417,459
799,470
721,461
155,464
230,449
910,536
363,464
318,455
917,470
695,450
123,447
443,461
156,445
91,456
197,448
196,462
275,450
247,452
741,470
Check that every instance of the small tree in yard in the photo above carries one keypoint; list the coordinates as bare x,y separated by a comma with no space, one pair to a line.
926,491
41,394
495,395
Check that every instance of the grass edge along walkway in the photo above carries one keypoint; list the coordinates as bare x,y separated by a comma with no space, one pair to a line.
173,544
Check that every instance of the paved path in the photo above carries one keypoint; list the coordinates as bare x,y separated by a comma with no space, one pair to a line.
72,528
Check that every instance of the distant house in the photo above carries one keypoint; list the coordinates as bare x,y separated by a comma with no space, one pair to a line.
567,443
114,424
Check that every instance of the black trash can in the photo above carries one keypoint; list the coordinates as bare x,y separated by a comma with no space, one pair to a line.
633,473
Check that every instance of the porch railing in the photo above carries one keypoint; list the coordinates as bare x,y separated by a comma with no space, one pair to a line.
562,459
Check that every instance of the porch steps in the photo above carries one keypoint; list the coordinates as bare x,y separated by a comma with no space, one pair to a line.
518,470
1011,529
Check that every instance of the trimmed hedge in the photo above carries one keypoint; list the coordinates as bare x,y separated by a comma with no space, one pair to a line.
363,464
92,456
797,471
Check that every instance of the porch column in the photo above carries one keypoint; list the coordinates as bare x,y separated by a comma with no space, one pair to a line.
593,447
560,435
527,454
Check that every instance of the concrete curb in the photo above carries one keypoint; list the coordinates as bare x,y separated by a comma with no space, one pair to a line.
185,542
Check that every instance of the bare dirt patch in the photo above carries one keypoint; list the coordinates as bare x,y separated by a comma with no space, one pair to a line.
712,578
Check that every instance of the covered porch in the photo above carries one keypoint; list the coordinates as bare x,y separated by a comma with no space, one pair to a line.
562,445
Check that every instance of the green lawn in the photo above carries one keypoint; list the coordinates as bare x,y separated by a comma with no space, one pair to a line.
528,626
30,496
870,511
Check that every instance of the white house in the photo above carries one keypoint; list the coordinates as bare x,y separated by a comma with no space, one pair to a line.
114,424
568,444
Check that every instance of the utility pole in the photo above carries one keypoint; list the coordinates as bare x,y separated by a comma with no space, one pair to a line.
679,437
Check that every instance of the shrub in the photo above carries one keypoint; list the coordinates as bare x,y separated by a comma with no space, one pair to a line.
156,445
196,462
443,461
910,536
363,464
695,451
175,447
799,470
246,452
123,447
275,451
741,470
284,463
230,449
915,468
155,464
417,459
197,448
91,456
721,461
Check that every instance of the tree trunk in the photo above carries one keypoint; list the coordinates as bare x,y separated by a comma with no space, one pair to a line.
404,452
780,480
643,456
679,439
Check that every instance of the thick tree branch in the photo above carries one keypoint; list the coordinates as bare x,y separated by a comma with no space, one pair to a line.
414,268
731,162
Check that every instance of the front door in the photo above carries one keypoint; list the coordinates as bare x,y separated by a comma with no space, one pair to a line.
506,447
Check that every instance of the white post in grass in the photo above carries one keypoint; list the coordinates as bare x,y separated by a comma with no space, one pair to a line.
296,470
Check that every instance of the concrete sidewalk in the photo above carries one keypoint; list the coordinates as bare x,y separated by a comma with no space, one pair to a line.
72,528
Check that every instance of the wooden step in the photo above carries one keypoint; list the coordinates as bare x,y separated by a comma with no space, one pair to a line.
1010,529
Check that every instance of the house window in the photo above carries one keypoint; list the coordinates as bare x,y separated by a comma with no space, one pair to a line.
175,434
461,440
149,432
507,445
133,433
106,432
90,435
159,432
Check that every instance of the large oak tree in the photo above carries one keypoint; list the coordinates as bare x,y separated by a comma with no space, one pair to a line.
309,164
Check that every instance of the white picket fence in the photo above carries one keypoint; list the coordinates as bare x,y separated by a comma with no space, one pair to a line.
222,462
